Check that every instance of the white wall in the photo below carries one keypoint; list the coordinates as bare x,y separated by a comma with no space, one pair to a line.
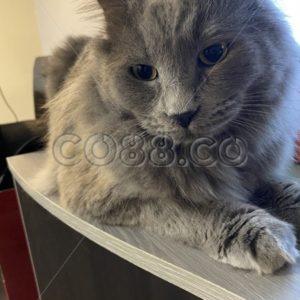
19,45
292,10
31,28
58,19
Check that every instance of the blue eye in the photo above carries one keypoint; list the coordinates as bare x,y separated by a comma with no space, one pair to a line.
144,72
213,54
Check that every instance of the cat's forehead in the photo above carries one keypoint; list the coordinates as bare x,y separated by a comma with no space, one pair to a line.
168,29
171,16
191,19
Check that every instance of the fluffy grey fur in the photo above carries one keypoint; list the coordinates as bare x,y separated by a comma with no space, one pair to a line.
246,216
62,60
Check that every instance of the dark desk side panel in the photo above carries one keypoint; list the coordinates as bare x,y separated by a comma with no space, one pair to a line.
70,267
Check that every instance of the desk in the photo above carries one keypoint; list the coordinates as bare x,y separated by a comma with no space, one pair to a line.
74,260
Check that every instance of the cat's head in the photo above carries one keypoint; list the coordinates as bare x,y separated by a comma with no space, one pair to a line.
185,68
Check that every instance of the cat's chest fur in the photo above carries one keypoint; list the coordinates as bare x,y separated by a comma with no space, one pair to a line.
196,184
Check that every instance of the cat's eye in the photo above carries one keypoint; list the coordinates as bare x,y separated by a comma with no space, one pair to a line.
213,54
144,72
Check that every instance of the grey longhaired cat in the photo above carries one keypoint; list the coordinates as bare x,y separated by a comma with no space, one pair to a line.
187,70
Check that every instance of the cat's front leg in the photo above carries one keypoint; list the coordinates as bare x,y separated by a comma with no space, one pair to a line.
238,234
282,199
251,238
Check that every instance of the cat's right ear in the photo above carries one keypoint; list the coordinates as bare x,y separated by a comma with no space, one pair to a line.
115,12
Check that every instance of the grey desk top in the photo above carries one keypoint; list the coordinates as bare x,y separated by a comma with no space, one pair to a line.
184,267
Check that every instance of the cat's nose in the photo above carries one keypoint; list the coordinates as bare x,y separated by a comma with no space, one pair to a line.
185,119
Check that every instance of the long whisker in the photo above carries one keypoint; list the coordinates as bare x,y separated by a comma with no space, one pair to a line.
247,126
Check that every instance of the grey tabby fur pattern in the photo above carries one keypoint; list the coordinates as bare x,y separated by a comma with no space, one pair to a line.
246,216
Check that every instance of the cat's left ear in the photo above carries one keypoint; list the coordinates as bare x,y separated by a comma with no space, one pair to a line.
115,12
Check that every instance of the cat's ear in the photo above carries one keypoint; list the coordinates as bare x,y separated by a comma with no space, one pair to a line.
115,12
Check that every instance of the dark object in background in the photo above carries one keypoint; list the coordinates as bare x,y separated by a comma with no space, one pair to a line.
18,276
14,256
25,137
19,138
39,86
16,139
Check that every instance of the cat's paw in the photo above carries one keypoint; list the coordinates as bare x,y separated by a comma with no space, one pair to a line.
274,247
266,245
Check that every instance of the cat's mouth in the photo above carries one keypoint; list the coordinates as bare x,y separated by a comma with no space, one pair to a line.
176,133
